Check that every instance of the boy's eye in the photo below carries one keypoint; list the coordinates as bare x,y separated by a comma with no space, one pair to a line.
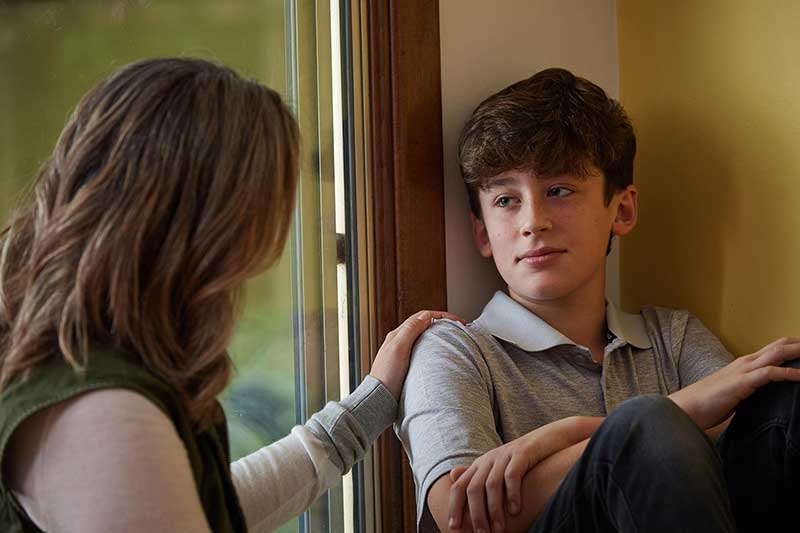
558,192
503,201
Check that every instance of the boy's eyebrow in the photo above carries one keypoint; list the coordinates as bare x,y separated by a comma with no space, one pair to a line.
498,181
502,180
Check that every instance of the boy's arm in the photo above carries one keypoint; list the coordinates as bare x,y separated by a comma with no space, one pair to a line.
714,432
538,485
697,351
541,458
712,400
446,417
491,484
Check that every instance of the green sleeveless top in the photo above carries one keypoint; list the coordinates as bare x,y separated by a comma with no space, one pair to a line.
55,381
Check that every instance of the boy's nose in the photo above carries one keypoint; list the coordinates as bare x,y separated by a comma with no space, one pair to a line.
536,221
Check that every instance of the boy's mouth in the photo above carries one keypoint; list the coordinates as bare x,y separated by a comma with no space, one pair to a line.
541,255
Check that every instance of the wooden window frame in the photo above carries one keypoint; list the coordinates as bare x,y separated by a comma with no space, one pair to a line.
406,166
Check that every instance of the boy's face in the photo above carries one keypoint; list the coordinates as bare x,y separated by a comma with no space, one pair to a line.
548,236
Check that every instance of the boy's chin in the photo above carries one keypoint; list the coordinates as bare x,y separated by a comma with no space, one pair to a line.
541,294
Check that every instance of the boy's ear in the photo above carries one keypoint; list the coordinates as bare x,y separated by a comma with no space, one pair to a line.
481,236
627,212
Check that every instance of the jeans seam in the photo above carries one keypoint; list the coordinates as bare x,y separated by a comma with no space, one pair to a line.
772,423
624,499
791,445
565,518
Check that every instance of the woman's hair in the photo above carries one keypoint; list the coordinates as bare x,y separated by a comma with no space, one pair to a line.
171,184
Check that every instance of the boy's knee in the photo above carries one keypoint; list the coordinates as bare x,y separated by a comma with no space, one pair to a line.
647,411
653,422
651,432
777,400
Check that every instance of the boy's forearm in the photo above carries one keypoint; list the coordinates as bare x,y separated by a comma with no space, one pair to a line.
538,485
716,431
544,479
685,399
541,482
558,446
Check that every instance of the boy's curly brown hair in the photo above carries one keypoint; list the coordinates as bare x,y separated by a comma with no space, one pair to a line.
550,124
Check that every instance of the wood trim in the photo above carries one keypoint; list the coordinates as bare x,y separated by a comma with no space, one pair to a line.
408,185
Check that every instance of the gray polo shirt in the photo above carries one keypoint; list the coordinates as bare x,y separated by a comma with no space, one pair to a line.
472,388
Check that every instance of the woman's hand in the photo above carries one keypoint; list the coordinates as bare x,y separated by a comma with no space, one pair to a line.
714,398
391,363
501,470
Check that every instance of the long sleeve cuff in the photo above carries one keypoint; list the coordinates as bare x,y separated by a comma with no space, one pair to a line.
349,427
373,405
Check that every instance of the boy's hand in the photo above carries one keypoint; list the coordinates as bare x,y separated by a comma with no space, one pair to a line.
714,398
391,364
483,483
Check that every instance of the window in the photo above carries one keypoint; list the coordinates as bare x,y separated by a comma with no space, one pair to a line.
364,80
292,343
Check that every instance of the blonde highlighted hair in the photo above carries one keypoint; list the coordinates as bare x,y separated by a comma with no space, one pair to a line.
172,182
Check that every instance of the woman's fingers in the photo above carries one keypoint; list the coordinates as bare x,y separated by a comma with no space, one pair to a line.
444,314
407,332
424,318
392,360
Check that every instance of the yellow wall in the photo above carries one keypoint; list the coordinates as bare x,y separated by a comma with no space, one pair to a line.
713,89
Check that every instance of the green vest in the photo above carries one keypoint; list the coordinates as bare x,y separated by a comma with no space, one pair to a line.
55,381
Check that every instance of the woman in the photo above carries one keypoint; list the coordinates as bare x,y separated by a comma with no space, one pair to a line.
172,183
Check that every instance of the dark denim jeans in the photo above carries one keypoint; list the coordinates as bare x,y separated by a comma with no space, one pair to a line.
648,468
760,454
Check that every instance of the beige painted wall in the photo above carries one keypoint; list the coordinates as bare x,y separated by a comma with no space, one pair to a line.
713,88
486,46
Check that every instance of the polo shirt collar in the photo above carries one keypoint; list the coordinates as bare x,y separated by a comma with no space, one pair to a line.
506,319
628,327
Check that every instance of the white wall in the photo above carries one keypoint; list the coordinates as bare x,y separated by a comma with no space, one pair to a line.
486,46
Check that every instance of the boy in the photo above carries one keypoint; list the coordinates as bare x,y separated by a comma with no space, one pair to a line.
548,164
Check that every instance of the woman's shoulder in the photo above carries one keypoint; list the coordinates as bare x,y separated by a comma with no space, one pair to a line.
55,380
133,439
109,413
109,375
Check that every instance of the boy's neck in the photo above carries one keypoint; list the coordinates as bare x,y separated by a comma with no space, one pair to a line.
580,317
